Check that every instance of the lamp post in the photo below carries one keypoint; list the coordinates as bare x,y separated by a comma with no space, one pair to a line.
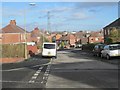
25,11
25,36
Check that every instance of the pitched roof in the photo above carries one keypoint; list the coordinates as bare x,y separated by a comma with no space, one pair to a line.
80,34
115,23
67,37
12,28
35,32
96,34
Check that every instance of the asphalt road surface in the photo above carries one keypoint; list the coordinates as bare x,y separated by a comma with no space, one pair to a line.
73,69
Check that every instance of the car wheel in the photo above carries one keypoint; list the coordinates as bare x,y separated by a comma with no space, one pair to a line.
108,57
55,57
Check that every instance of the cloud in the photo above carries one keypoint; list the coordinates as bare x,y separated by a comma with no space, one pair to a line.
12,12
45,16
93,7
78,16
57,10
94,10
95,4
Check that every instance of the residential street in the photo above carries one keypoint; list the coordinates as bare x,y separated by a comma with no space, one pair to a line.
72,69
22,74
81,70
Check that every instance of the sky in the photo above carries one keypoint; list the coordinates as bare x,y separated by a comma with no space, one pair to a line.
64,16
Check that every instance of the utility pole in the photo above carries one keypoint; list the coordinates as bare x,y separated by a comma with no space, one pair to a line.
48,23
25,12
25,35
48,19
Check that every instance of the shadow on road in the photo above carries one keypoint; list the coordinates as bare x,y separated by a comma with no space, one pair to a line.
88,74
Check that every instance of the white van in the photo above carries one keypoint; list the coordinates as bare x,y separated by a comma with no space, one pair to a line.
49,49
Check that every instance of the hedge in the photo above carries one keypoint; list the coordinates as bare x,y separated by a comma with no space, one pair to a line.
13,50
88,47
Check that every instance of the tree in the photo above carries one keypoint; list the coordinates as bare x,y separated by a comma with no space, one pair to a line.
109,40
62,44
114,35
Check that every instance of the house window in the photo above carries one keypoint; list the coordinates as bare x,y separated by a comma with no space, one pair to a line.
92,39
105,32
96,39
22,36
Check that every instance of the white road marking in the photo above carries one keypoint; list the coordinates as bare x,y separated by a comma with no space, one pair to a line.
15,69
40,68
15,81
36,74
43,77
47,74
42,82
34,77
31,81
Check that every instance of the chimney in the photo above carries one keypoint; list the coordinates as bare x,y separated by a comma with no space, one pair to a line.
12,22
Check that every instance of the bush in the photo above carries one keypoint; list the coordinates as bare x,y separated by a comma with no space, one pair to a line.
88,47
13,50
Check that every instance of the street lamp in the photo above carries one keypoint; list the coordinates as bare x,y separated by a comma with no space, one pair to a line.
31,4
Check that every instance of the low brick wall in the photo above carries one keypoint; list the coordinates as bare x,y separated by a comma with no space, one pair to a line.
11,60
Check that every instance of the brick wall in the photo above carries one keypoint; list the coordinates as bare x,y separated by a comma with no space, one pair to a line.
96,39
8,38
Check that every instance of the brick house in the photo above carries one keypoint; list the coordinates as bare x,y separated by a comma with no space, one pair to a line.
14,34
68,39
96,37
80,38
91,37
56,38
115,25
36,35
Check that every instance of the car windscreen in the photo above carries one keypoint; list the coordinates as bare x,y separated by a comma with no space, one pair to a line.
114,47
49,46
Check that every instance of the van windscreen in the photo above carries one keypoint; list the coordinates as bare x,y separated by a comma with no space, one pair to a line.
49,46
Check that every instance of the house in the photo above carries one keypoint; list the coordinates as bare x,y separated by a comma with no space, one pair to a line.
56,38
114,26
36,35
13,34
83,37
80,38
96,37
50,36
68,39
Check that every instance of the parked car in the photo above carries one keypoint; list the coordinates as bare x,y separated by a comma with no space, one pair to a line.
78,45
97,49
112,50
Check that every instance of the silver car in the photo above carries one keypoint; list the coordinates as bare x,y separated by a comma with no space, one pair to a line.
112,50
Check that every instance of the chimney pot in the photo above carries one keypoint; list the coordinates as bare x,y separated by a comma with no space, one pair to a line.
12,22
